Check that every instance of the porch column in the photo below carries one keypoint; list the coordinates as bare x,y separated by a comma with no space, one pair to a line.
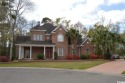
19,52
79,51
30,52
44,52
53,51
22,51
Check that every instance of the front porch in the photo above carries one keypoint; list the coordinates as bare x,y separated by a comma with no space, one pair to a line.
31,51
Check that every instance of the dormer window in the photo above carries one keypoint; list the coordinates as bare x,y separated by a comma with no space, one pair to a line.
60,38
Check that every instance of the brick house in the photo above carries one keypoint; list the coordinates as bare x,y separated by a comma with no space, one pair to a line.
47,39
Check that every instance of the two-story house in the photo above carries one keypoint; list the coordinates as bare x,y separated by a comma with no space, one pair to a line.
47,39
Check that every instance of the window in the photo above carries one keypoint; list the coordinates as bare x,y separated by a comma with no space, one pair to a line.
87,51
40,37
60,51
37,37
60,38
34,37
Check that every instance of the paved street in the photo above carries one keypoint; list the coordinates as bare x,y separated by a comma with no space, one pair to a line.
41,75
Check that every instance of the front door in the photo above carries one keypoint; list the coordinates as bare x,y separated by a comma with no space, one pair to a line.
26,52
49,53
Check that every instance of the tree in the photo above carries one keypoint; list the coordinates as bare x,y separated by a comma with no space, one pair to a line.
74,36
4,27
19,7
46,19
105,38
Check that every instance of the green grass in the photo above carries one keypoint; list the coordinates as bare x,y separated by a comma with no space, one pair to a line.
123,72
65,65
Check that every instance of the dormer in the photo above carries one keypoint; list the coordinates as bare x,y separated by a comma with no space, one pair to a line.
41,33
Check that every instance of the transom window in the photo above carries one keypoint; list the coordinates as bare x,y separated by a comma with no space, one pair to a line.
37,37
60,51
60,38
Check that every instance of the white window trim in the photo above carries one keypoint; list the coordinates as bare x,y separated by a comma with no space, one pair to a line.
34,37
37,37
60,38
40,37
62,51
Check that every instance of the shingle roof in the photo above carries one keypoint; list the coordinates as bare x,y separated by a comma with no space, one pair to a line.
80,41
27,40
20,39
47,26
38,42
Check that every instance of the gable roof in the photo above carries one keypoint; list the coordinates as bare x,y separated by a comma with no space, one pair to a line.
59,27
48,27
84,40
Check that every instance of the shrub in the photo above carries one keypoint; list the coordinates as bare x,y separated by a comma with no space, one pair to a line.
75,57
69,57
93,56
107,55
55,55
100,57
13,58
84,56
40,56
72,57
3,59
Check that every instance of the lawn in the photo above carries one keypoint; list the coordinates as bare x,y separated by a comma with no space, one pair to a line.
65,65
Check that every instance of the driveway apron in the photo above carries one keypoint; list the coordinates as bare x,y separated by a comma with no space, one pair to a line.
112,67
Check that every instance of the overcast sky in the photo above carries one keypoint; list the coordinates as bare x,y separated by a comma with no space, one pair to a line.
87,12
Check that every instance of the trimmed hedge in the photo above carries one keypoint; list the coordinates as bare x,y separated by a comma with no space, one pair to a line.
84,56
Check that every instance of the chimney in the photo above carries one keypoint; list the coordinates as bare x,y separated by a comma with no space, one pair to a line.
38,23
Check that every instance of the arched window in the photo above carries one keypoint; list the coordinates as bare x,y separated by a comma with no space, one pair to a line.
60,38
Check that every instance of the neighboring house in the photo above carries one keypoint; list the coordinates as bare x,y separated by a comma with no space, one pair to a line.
47,39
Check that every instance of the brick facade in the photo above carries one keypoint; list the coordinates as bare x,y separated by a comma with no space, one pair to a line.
63,44
49,48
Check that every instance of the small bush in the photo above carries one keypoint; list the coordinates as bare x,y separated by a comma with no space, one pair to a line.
75,57
69,57
93,56
40,56
84,56
107,55
13,58
55,55
100,57
3,59
72,57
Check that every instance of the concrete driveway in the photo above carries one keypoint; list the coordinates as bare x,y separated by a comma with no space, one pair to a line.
40,75
113,67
